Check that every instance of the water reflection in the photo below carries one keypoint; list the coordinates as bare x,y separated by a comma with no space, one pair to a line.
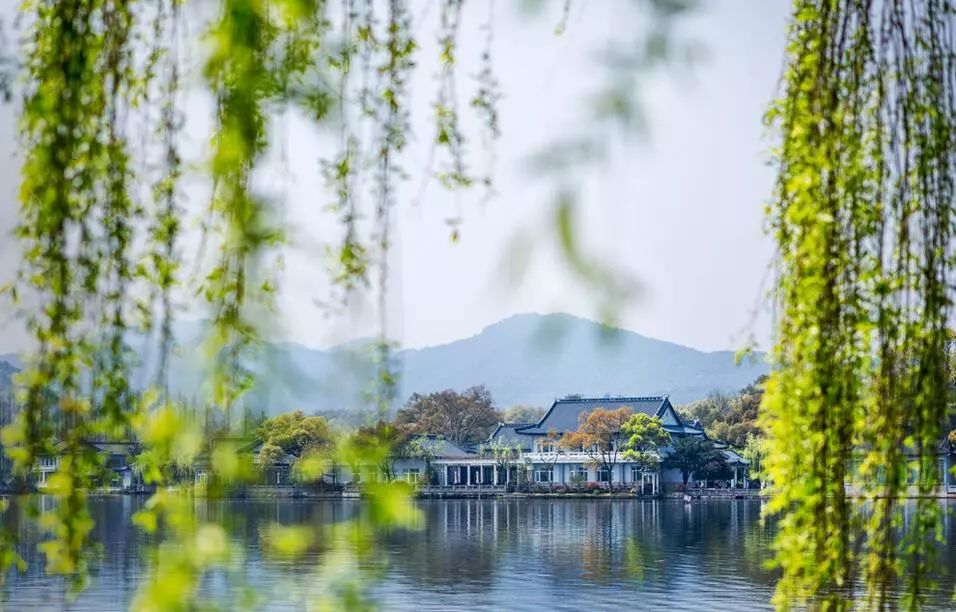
470,554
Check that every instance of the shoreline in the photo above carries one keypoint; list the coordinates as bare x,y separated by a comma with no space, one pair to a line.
292,492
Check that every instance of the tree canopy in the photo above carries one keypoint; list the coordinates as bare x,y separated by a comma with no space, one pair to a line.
295,434
696,456
464,418
600,434
729,418
644,437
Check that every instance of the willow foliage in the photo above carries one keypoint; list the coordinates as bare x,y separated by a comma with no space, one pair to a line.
100,223
863,218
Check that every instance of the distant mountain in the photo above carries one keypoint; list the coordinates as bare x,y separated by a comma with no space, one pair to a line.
7,370
532,359
525,359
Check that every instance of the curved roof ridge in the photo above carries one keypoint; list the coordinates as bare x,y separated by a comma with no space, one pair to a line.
614,398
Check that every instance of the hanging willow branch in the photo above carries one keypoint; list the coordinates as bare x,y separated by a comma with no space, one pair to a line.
95,255
76,218
863,217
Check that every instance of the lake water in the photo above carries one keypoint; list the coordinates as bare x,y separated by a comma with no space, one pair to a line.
509,554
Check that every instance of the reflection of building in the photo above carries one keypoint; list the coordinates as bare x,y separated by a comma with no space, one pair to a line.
527,453
115,459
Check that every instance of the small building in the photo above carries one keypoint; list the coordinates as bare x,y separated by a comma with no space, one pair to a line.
944,478
278,472
117,461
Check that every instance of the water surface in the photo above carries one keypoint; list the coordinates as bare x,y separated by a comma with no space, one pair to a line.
471,554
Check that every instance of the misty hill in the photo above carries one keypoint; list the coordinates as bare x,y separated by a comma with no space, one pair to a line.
7,370
532,359
525,359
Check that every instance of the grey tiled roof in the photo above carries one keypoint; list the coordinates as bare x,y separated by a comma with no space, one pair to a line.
116,448
510,434
444,448
733,458
564,414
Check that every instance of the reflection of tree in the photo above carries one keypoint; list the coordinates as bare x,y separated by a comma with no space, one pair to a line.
636,546
457,546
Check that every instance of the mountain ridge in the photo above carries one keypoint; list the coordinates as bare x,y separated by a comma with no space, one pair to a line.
522,359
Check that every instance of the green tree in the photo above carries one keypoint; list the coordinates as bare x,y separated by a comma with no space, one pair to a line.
393,440
755,451
692,456
644,436
551,452
294,434
715,467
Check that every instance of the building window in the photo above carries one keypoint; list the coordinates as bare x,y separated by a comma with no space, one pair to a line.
546,446
636,473
604,475
412,475
579,474
543,475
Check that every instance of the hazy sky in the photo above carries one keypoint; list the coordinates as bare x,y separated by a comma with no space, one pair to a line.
680,211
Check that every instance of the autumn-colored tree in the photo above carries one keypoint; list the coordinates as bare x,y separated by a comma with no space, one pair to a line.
463,418
730,418
600,435
644,437
293,433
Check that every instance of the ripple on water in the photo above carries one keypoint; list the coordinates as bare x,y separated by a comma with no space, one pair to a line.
512,554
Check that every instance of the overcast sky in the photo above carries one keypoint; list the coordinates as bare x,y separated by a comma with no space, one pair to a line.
680,211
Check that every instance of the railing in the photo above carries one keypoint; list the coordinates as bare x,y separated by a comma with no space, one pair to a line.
489,488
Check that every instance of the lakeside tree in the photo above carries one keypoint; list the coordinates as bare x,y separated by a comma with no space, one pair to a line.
730,418
295,434
393,438
694,456
600,435
464,418
755,452
644,438
715,467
